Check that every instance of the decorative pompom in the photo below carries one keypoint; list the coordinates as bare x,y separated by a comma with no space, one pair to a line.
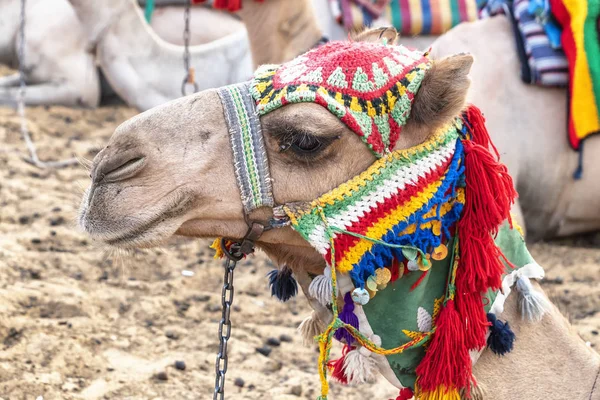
501,338
337,367
309,328
533,303
320,288
405,394
359,366
283,285
347,316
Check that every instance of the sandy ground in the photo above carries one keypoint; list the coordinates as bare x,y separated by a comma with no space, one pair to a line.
81,322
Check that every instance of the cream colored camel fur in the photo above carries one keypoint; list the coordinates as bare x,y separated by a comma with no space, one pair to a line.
170,171
60,62
143,69
206,24
279,30
59,68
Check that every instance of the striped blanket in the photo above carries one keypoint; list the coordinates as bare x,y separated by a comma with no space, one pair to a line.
430,17
409,17
580,21
542,61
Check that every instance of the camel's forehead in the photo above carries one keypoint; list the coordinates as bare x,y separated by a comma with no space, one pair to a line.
370,87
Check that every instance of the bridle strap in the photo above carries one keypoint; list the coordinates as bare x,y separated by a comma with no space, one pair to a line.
250,158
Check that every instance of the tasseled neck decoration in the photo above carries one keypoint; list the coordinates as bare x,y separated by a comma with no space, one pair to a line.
422,220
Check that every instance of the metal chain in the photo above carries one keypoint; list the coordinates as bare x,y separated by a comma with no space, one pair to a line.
22,85
189,72
225,323
33,157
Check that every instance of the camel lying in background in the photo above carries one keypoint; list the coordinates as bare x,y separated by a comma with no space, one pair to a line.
146,71
64,71
59,67
170,171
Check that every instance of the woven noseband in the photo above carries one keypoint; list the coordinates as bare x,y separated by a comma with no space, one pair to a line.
249,155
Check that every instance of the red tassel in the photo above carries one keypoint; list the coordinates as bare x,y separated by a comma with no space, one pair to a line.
447,361
337,367
475,122
418,281
405,394
472,314
229,5
395,270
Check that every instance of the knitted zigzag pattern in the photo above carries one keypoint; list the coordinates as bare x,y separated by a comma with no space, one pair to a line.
410,197
368,86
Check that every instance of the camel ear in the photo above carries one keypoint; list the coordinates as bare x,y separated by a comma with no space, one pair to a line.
376,35
442,94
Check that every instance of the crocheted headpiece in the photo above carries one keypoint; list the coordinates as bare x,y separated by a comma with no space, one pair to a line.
368,86
422,240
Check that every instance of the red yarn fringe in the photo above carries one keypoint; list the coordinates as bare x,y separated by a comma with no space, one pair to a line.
447,361
489,195
337,367
405,394
229,5
469,306
462,324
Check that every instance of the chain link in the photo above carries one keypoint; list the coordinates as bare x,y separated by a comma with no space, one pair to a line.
189,72
224,329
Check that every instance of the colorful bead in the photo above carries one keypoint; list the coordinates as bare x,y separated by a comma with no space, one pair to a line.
360,296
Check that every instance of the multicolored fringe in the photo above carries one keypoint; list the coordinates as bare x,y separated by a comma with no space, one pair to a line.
454,187
581,43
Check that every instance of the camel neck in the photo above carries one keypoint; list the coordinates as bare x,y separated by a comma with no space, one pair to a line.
281,31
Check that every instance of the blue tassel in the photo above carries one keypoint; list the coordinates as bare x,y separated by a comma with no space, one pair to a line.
501,337
283,285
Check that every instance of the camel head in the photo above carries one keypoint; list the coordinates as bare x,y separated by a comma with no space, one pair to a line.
170,170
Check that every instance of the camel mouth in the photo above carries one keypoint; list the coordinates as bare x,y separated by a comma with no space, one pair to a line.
152,232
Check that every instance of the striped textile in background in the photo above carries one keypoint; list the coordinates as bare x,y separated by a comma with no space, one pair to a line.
429,17
547,66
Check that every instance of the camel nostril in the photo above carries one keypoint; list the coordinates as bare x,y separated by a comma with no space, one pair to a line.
126,170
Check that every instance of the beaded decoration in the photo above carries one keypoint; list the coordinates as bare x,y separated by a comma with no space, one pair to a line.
369,86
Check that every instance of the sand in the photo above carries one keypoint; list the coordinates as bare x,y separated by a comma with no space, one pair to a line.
79,321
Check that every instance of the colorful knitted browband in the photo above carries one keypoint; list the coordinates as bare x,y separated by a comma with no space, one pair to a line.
408,199
250,158
370,87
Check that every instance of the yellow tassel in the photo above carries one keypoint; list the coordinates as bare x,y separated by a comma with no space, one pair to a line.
216,246
440,393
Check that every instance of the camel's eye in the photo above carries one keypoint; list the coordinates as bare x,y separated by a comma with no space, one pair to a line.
306,144
300,143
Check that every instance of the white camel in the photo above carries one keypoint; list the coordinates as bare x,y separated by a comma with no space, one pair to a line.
59,68
60,52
